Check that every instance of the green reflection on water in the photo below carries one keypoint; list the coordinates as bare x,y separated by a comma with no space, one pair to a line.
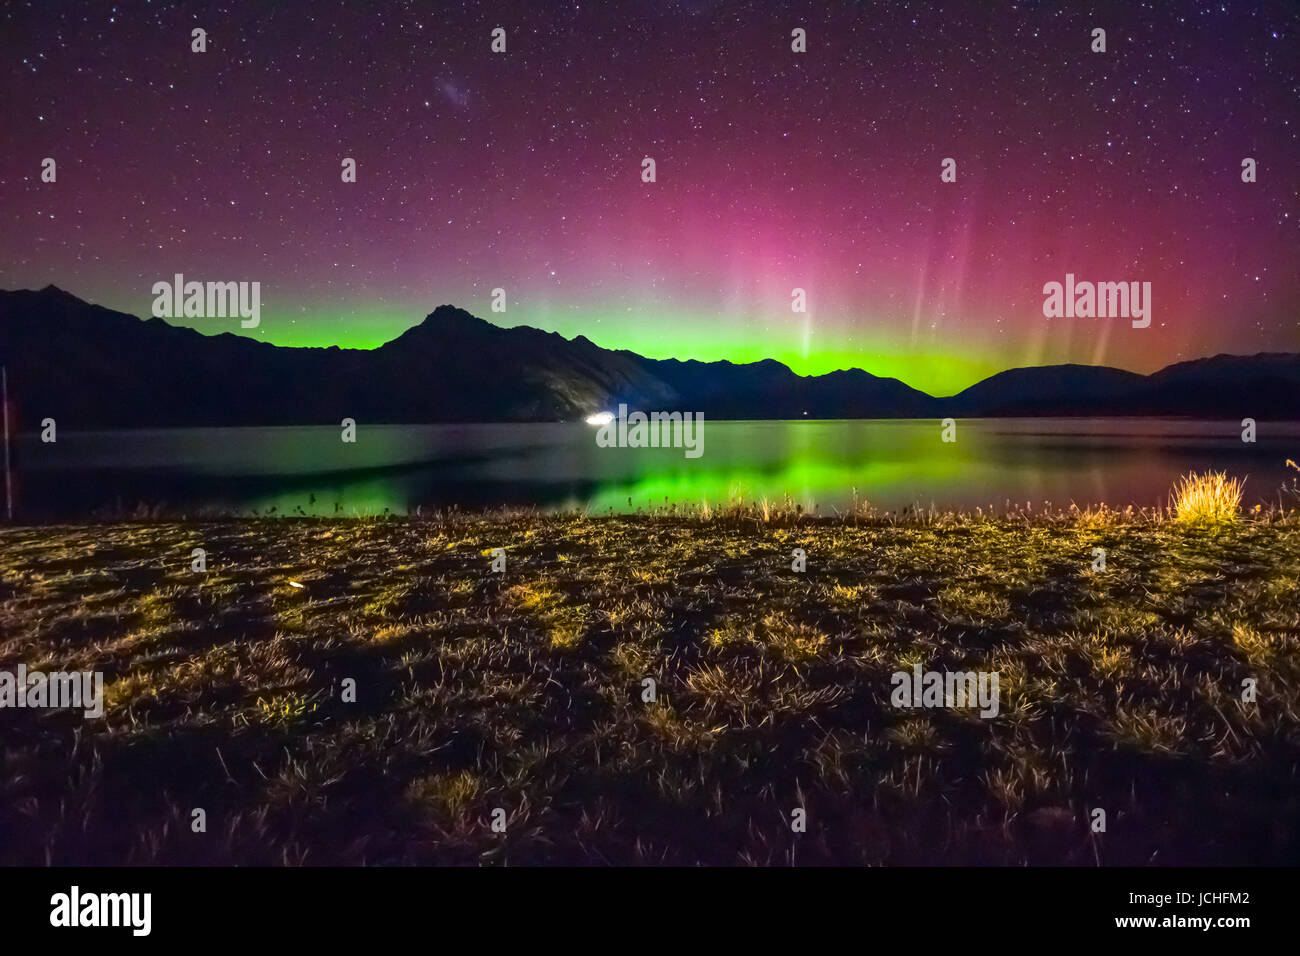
806,480
828,465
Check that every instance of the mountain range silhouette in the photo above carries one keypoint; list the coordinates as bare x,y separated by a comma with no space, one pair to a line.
89,367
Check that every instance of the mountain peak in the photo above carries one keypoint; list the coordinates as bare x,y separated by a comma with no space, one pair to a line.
450,313
52,291
444,321
50,297
55,290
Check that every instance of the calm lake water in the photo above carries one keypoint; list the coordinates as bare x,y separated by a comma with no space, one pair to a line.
399,468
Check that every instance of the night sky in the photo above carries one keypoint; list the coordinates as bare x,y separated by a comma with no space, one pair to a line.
775,170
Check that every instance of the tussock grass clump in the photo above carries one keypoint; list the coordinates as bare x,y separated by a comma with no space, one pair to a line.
791,640
1212,498
453,793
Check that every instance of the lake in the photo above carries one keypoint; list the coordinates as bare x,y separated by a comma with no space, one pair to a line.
400,468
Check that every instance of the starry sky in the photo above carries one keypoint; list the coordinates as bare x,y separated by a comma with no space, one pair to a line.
775,170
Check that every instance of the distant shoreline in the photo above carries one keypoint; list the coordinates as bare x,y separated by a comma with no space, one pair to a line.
1187,419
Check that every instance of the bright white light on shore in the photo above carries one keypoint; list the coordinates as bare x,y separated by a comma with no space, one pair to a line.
600,418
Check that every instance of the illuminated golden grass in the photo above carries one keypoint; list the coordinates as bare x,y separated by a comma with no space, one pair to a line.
1123,687
1212,498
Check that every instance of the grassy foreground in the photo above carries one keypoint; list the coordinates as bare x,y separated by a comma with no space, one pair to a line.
522,690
